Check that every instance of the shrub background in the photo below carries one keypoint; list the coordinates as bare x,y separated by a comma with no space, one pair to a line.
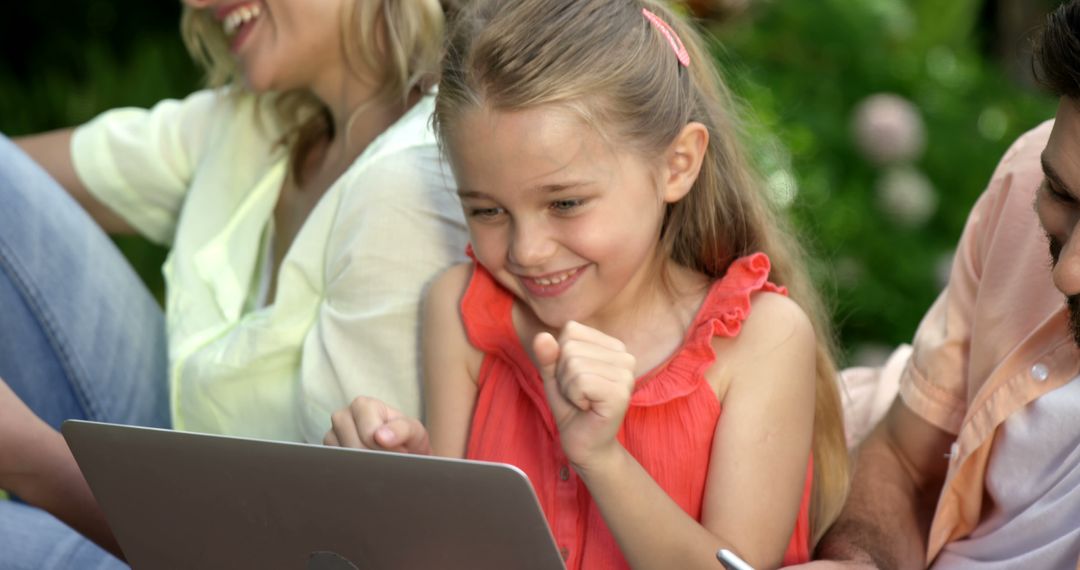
801,68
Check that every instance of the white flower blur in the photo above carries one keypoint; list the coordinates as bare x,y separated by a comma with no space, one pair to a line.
888,129
907,196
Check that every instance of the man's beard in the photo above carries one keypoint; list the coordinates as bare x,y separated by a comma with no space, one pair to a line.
1072,301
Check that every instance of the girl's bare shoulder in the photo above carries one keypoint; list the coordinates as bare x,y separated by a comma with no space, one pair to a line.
777,339
444,338
450,284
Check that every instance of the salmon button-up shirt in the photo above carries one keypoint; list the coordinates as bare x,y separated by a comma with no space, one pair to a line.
996,339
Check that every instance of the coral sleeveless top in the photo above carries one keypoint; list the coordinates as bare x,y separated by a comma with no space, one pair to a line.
668,428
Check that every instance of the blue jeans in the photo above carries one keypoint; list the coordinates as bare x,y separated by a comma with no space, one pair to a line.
80,337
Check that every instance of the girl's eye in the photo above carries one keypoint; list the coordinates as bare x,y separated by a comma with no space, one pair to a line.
484,213
564,206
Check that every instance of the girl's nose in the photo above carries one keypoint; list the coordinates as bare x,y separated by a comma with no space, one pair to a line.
198,3
531,245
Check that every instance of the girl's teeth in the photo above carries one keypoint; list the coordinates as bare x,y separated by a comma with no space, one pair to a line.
554,280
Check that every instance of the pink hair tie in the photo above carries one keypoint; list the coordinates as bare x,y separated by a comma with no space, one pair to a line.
673,39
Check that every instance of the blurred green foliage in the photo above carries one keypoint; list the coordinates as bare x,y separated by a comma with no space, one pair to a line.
801,67
62,63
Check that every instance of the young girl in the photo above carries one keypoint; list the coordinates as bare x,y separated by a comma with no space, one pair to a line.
637,333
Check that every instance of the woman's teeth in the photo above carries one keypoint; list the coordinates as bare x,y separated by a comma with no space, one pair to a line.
239,17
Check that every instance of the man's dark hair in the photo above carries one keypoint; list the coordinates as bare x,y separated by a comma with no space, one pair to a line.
1056,61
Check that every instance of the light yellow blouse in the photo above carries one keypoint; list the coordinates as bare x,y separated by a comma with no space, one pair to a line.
202,175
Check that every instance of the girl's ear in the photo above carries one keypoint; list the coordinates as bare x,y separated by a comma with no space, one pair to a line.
683,161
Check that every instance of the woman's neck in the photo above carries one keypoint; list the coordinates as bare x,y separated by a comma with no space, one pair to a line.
359,112
357,120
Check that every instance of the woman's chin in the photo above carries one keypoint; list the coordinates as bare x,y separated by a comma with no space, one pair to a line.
257,80
256,85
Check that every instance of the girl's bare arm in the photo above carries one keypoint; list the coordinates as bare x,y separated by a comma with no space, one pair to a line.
759,460
450,364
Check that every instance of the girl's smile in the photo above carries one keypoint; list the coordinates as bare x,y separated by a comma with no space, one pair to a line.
552,284
565,221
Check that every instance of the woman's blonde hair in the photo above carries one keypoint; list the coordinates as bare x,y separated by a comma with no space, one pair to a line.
398,42
603,59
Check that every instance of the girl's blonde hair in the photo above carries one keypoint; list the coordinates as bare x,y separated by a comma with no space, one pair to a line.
397,42
603,59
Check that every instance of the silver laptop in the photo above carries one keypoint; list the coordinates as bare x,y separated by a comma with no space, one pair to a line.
193,501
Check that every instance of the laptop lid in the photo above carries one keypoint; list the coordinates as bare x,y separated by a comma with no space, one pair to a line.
186,500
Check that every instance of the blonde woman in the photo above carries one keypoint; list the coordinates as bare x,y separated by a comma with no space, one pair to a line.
637,332
305,205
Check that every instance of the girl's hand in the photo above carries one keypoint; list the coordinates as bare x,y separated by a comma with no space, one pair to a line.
370,424
588,377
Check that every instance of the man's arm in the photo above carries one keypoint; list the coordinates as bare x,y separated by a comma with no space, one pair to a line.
898,477
52,150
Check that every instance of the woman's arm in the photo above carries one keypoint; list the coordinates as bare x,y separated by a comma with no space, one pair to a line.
52,150
758,464
37,466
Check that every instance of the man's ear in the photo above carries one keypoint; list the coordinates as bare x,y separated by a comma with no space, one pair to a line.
682,161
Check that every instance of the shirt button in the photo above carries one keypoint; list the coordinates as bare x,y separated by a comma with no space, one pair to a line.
564,473
565,553
1040,372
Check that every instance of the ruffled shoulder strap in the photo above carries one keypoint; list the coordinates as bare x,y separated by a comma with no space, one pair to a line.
728,301
487,314
722,313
